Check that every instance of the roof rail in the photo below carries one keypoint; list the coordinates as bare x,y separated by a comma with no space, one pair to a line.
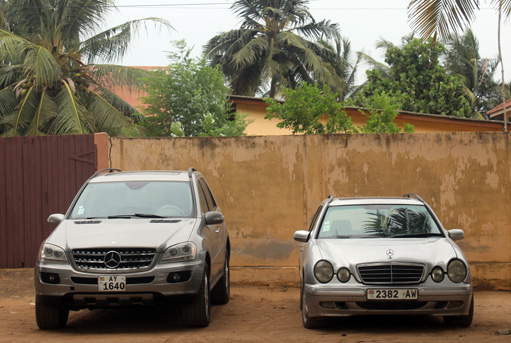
330,198
110,170
409,195
190,171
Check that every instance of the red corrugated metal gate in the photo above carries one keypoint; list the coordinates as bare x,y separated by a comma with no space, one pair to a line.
38,176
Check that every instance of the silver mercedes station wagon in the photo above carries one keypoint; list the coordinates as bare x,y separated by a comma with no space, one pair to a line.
382,256
135,239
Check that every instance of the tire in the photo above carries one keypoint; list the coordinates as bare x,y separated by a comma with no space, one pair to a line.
198,312
308,322
49,318
301,296
462,321
222,291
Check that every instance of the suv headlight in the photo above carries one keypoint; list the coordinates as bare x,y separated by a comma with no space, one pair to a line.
323,271
50,252
457,271
179,252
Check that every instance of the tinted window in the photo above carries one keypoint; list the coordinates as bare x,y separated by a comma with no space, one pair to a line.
202,199
207,193
163,198
377,221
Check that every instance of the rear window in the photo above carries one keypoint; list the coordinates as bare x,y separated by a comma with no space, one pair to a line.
160,198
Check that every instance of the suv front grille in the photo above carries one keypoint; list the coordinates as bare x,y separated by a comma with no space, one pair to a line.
390,273
113,258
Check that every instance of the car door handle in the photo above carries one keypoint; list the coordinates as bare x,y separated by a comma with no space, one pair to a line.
217,230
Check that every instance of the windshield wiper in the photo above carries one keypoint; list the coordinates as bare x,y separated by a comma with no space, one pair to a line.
377,235
140,215
416,235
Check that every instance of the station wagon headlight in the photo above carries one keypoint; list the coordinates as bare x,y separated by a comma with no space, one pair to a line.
344,274
179,252
437,274
323,271
52,253
456,271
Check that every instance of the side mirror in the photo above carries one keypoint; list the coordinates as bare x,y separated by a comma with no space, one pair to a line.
214,217
456,234
301,236
55,219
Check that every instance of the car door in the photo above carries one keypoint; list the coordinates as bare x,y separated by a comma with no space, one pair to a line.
217,232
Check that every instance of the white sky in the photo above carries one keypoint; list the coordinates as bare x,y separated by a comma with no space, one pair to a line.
363,22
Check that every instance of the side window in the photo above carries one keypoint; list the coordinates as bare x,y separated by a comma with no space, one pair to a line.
315,218
209,197
202,199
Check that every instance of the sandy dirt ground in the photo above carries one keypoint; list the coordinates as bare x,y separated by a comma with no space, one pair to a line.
254,314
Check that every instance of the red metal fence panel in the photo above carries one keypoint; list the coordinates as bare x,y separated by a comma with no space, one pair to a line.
38,176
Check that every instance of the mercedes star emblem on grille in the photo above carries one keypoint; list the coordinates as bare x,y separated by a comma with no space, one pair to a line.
390,253
112,259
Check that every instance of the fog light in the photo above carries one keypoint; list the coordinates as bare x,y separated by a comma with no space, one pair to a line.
437,274
176,277
343,275
51,278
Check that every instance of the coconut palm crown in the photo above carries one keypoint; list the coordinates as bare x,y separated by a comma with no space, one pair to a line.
49,81
272,48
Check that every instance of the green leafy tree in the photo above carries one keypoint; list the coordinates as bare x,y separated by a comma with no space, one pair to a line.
275,47
189,99
418,80
382,109
49,81
463,59
304,106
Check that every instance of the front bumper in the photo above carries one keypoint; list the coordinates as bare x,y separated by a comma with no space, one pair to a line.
76,289
348,300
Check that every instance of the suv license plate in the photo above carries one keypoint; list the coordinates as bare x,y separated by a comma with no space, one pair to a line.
112,283
392,294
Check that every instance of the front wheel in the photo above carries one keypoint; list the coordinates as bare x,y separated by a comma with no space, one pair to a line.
221,293
198,312
463,321
49,318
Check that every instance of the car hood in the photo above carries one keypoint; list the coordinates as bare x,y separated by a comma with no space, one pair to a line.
76,234
433,251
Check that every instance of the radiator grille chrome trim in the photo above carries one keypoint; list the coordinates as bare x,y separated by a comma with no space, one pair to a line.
390,273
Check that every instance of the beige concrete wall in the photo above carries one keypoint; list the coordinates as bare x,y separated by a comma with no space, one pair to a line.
269,187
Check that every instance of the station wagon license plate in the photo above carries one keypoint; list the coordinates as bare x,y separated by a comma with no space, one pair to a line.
392,294
112,283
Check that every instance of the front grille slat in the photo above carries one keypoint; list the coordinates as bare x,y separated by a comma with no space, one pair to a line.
391,273
130,258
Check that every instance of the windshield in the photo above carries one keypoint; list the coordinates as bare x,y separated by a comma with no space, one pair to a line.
146,199
372,221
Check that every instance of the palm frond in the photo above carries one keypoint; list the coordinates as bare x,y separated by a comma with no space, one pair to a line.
107,118
110,75
73,117
436,18
45,113
112,44
8,101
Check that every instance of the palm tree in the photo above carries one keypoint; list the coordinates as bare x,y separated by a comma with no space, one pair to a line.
49,81
436,18
463,59
343,66
272,47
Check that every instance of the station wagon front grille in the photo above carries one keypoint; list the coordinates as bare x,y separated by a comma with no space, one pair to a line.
125,259
391,273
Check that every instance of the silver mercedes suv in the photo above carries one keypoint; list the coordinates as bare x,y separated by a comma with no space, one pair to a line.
132,239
